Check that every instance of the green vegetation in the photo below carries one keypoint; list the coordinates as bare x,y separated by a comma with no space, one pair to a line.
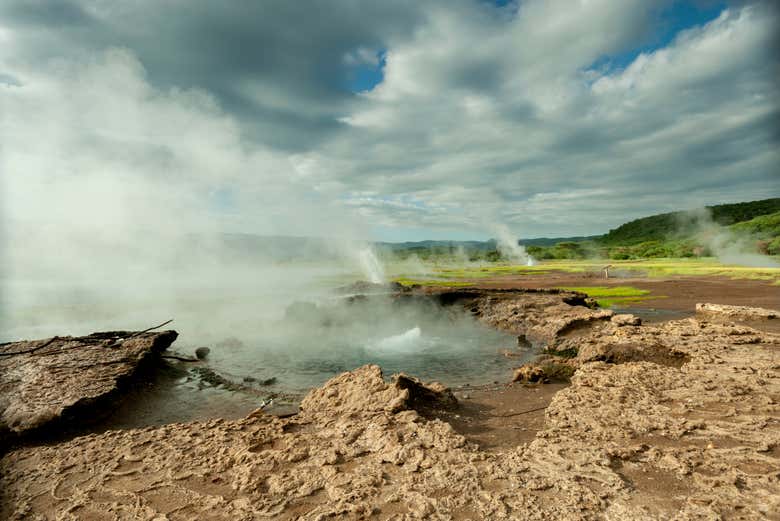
657,246
764,228
667,267
755,225
448,275
607,296
660,227
405,281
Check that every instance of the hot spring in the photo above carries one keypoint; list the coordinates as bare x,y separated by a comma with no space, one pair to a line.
274,333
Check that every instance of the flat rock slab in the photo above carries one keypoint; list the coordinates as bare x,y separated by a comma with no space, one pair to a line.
736,312
64,378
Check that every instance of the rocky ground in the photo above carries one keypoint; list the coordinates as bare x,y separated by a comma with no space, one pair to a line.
678,420
48,384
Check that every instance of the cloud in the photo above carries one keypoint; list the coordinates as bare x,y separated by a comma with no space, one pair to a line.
91,149
240,117
689,124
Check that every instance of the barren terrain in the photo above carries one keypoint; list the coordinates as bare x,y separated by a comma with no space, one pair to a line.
675,420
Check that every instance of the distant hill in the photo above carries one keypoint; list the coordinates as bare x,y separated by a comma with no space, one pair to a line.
433,245
664,235
660,227
765,229
545,241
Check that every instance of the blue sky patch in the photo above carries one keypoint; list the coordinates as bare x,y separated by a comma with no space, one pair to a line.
679,16
363,77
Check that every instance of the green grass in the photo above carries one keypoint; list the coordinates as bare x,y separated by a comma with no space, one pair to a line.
404,281
451,275
607,291
607,297
667,267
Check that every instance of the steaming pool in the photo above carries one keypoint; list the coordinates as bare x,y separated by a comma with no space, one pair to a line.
314,342
282,359
271,337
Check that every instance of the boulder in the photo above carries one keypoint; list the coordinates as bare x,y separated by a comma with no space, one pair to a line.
528,373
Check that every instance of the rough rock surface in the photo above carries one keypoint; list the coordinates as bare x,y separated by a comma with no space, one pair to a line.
736,312
43,381
538,316
626,320
695,439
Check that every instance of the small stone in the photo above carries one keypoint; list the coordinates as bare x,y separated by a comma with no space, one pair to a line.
465,396
202,352
250,379
626,320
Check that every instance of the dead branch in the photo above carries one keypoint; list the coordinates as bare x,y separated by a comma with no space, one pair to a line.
32,350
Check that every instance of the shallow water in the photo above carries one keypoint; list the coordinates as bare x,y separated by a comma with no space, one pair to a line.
314,342
287,324
653,314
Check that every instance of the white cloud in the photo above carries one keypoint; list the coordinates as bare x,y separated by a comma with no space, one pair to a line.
687,118
484,115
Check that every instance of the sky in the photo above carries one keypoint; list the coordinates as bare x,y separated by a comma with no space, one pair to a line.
395,120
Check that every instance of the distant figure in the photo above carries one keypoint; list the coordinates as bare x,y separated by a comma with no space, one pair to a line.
606,270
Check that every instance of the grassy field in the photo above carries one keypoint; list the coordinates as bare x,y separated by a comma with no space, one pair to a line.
444,274
608,296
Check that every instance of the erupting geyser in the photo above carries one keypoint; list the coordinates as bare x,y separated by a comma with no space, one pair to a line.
404,343
371,266
511,249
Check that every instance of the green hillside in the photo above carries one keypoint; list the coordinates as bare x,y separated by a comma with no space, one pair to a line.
664,226
754,224
765,229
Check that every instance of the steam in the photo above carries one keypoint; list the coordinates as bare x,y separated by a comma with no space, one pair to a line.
139,204
509,247
371,266
406,342
723,243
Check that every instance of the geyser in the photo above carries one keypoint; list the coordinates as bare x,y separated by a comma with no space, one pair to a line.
510,248
372,268
406,342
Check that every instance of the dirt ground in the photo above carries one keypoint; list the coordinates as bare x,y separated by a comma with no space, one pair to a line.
675,293
497,417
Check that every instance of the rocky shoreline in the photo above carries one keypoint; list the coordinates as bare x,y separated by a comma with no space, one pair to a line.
61,382
673,420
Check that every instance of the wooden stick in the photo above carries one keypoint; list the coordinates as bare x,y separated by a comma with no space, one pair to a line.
151,328
51,340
